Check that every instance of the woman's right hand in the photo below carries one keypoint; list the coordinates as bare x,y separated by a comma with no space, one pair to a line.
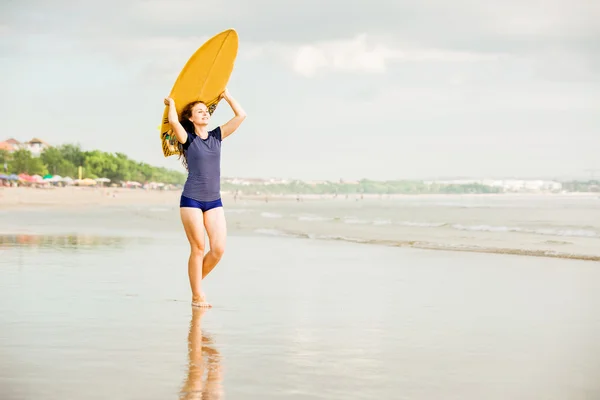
169,101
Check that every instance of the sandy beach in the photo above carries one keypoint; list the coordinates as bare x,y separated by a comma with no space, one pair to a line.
75,197
69,197
72,196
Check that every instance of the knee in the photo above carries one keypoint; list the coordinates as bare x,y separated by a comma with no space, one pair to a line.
197,249
218,249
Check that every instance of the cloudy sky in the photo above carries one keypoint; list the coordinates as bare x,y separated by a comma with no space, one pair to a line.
381,89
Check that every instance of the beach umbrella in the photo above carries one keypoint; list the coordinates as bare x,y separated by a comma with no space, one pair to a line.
102,180
2,176
86,182
13,177
47,177
36,178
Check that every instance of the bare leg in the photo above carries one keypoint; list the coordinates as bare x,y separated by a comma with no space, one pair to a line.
216,228
193,224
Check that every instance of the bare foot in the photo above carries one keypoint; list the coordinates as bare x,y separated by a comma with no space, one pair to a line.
202,304
201,301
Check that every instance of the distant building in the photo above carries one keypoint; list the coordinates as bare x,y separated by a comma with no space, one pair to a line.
7,146
35,146
274,181
10,145
248,181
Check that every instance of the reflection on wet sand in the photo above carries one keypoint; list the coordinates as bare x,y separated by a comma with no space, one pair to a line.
59,241
203,357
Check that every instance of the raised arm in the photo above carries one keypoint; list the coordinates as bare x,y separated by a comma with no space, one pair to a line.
234,123
178,129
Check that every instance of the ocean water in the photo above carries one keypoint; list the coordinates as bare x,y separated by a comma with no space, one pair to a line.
94,304
564,226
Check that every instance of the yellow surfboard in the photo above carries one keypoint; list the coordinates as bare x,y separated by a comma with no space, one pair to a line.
204,77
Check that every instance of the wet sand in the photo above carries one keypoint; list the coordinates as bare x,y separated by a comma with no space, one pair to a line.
97,317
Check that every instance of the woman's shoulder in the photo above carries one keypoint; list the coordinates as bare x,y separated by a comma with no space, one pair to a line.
216,132
190,138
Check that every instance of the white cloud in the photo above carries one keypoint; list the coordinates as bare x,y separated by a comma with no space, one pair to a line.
359,54
353,55
446,77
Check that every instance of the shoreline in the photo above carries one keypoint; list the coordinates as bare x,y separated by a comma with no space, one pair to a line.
28,238
470,249
279,216
21,198
428,245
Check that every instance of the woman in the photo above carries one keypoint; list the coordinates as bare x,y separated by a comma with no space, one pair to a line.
201,208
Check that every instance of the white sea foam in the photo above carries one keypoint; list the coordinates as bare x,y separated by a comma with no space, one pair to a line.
382,222
539,231
423,224
313,218
271,232
354,220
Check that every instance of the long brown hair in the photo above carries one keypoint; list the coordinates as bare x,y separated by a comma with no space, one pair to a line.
184,120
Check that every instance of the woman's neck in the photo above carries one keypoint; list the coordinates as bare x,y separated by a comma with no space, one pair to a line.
201,131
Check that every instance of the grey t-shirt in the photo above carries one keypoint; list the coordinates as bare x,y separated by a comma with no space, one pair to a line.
204,165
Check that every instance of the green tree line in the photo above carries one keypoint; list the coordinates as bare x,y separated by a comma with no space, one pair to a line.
592,185
388,187
364,186
64,160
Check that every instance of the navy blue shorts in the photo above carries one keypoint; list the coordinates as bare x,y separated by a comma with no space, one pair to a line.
202,205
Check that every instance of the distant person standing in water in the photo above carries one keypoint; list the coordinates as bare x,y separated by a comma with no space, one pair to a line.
200,204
